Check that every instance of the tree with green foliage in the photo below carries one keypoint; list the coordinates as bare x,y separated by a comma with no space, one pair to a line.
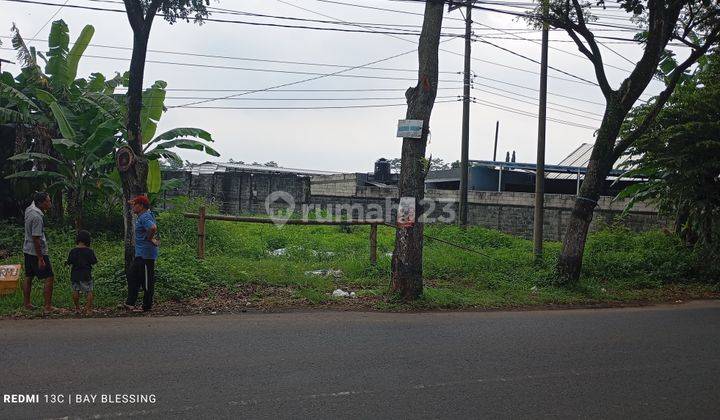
50,107
696,24
141,14
679,154
83,120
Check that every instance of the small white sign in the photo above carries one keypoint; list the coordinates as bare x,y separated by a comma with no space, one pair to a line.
410,129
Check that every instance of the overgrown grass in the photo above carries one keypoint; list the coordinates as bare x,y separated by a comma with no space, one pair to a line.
619,265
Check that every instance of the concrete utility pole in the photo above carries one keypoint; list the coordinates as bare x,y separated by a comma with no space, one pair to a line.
497,129
542,119
464,154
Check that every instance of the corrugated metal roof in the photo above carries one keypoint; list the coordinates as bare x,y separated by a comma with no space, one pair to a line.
214,167
580,157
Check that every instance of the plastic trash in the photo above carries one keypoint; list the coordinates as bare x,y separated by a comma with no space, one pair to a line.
279,252
323,253
340,293
324,273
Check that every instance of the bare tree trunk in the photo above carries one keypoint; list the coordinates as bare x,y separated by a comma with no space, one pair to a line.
134,180
43,144
601,161
407,258
75,200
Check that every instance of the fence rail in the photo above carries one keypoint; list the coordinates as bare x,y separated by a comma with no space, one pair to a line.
203,218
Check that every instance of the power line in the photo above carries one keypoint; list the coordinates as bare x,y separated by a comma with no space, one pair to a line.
365,31
266,70
476,76
553,48
509,51
224,57
305,99
379,8
303,80
291,90
304,107
534,103
535,98
51,18
275,25
529,114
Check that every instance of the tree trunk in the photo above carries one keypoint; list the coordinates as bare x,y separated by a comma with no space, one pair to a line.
43,144
407,258
601,161
134,180
74,199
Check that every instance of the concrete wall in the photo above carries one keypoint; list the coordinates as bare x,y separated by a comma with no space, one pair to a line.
510,212
240,192
347,194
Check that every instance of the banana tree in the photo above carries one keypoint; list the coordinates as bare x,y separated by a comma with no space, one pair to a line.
83,156
75,123
160,147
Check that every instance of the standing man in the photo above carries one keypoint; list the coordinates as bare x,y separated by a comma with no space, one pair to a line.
37,262
141,273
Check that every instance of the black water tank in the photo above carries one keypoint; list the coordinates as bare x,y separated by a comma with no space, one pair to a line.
382,170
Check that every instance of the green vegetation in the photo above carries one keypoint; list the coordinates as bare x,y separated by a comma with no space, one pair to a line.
675,156
68,129
620,266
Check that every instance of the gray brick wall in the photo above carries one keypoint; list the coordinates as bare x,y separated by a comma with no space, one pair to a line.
346,194
240,192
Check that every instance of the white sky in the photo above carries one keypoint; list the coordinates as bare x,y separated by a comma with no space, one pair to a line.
346,139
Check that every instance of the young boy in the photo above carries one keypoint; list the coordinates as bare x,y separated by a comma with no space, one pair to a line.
82,258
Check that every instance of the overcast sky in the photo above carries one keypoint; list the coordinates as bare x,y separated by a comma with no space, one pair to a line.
341,139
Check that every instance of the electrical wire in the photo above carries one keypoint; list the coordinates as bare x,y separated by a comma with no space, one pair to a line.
530,114
275,25
51,18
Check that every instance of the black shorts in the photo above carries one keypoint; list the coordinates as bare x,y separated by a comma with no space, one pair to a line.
32,269
81,281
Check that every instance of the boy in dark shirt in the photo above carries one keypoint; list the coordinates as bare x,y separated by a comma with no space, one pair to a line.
82,258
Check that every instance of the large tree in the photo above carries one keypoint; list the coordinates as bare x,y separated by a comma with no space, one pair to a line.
407,258
694,23
675,156
141,14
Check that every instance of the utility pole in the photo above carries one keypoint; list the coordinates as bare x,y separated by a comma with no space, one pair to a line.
497,129
542,119
464,154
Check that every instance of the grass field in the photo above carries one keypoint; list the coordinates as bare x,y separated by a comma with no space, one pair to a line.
620,266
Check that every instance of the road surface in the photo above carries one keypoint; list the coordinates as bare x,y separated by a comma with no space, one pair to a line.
656,362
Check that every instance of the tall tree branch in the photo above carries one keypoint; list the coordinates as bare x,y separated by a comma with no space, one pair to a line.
591,50
662,24
135,14
663,97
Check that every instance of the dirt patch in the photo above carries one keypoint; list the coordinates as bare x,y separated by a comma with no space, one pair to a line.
262,298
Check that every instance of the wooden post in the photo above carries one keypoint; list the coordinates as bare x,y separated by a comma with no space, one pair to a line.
373,244
201,233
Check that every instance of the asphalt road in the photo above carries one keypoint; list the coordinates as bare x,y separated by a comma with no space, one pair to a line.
657,362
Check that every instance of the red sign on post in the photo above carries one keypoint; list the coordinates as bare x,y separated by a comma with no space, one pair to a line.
406,212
